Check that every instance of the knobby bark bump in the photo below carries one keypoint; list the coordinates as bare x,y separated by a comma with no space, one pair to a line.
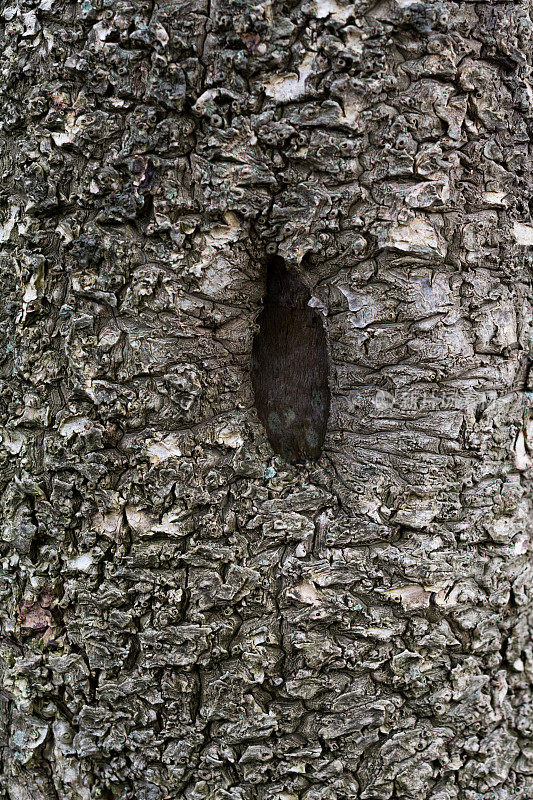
185,613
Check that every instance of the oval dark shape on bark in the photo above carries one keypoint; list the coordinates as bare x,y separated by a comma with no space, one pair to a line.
290,367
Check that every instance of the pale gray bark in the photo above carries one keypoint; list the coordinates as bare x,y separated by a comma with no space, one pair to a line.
184,614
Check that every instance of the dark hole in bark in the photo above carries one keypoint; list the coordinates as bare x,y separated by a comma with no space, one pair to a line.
290,367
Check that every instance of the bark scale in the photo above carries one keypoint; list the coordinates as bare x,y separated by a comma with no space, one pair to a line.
184,614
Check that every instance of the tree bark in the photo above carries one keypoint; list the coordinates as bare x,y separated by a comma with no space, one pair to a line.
185,614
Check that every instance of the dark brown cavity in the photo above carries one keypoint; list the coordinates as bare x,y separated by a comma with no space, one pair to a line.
290,367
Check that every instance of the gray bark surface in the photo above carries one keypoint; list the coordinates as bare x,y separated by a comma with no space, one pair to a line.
185,615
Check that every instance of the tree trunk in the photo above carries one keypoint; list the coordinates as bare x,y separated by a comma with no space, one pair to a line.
186,614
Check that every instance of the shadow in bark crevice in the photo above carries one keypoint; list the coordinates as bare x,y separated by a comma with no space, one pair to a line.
289,368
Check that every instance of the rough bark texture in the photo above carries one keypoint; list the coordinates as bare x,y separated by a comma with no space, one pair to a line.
184,614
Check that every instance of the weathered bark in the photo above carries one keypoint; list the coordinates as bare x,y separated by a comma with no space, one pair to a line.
186,615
